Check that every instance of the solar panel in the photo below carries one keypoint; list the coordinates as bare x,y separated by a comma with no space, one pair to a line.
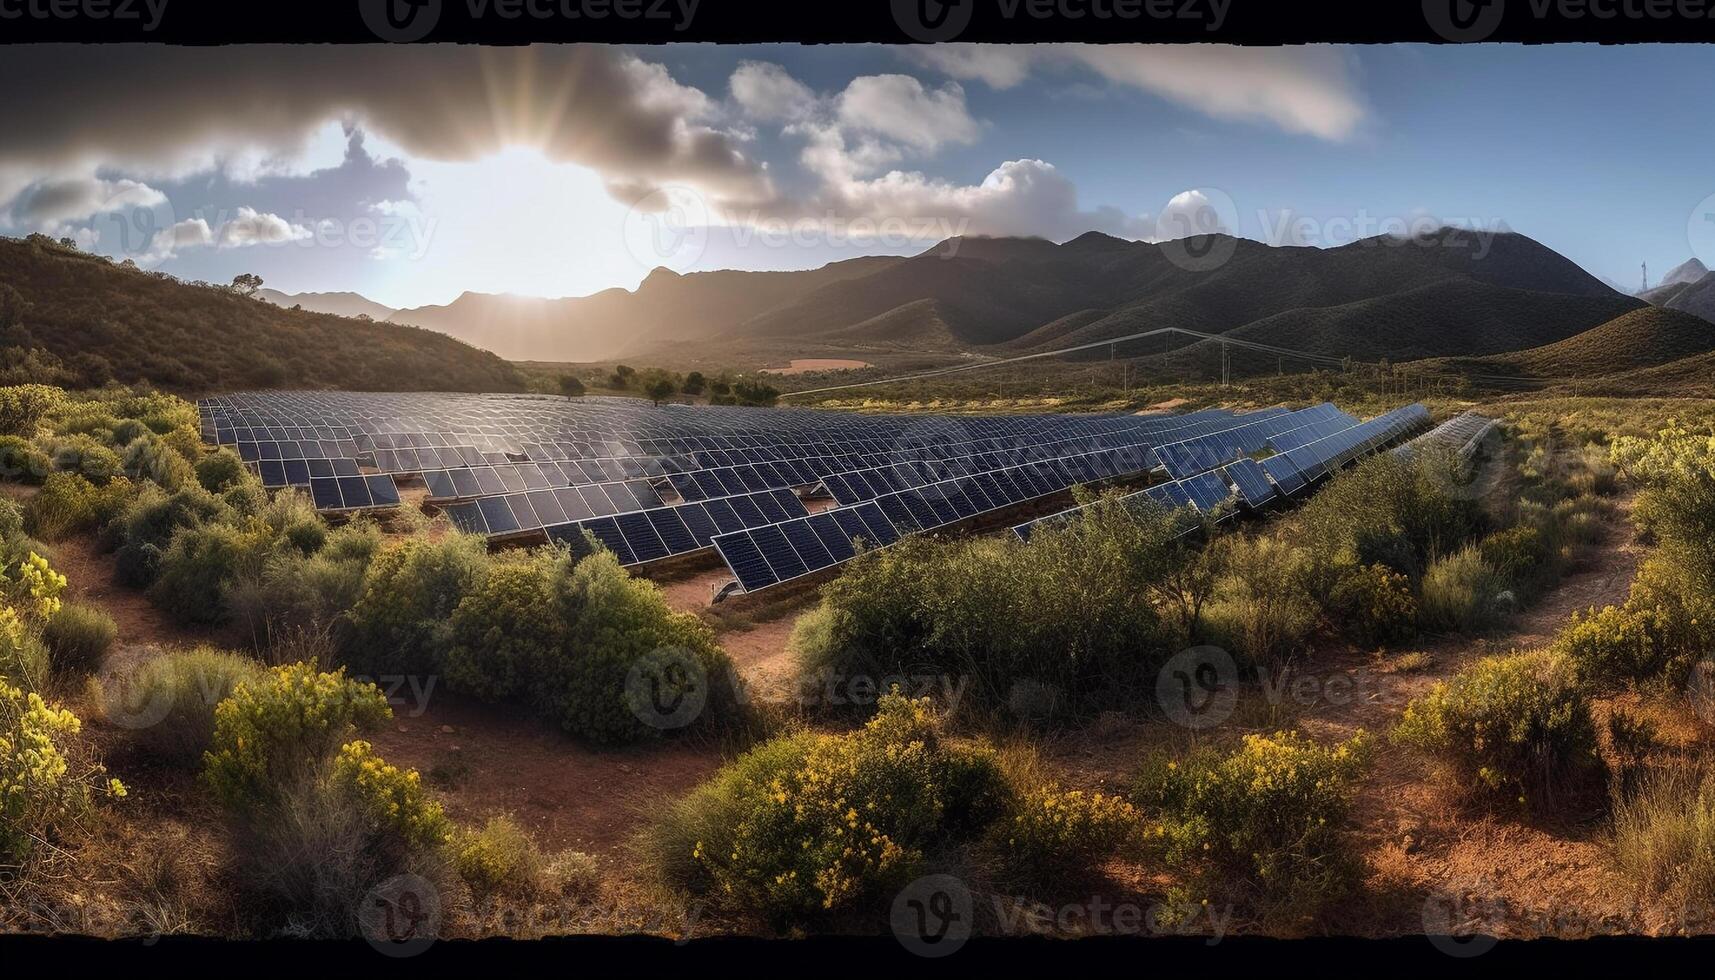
1252,482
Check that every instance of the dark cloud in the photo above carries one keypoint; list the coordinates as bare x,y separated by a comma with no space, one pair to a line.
174,111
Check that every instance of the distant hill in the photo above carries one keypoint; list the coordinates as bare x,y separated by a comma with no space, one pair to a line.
79,319
339,304
1696,298
1643,338
666,309
1687,272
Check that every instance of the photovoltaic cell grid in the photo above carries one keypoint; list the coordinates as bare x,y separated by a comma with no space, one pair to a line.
1298,462
1463,434
767,557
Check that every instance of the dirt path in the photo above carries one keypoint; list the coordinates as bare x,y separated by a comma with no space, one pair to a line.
92,579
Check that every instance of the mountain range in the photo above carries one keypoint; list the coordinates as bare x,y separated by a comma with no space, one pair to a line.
1452,293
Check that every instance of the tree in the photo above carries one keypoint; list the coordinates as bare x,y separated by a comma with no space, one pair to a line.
570,386
623,376
694,383
247,283
70,243
12,307
661,390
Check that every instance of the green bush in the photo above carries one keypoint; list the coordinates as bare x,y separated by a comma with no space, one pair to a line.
293,593
144,528
201,563
1374,606
392,798
1515,727
220,471
169,701
1267,818
281,730
21,461
1460,593
808,825
1262,607
153,458
1072,614
292,516
1051,836
501,858
400,622
78,638
23,407
88,458
45,783
127,431
1384,510
565,637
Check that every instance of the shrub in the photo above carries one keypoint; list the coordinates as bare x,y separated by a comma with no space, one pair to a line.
24,657
65,504
153,458
23,407
43,783
145,526
1071,613
392,798
806,825
400,623
1459,593
1384,510
292,517
1262,608
1268,816
34,588
1375,606
1053,835
220,471
1664,838
566,638
501,857
169,701
274,732
127,431
1515,727
1613,645
200,563
21,461
292,593
1519,556
78,638
88,458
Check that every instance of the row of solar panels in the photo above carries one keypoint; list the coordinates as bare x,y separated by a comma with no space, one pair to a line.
1256,483
353,493
1463,434
1207,452
676,530
764,557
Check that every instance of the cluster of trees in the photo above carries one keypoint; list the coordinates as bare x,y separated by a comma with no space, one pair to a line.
659,385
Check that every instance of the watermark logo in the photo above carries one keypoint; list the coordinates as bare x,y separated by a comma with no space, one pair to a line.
401,917
668,688
1700,231
668,226
400,21
146,14
1197,229
932,21
1464,21
1198,688
932,916
130,701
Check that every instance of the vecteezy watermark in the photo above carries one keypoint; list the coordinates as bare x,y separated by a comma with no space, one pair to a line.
1197,229
409,693
934,21
1469,21
401,917
404,21
1198,688
1474,235
830,688
668,688
146,14
933,915
1700,230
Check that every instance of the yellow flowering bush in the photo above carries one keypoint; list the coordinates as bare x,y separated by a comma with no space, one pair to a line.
35,586
391,797
1515,727
272,733
38,786
811,824
1268,815
1053,834
499,857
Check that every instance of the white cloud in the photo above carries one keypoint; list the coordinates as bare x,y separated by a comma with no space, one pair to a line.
189,233
53,202
767,93
1310,89
898,107
251,227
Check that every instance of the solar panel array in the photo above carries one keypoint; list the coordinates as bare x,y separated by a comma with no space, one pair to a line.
1463,434
910,502
1301,456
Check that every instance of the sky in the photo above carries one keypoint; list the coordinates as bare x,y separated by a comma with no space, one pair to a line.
412,174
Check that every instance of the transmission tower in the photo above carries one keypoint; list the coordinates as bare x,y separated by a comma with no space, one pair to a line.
1646,279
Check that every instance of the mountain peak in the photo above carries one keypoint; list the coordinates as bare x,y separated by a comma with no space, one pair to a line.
1689,271
658,275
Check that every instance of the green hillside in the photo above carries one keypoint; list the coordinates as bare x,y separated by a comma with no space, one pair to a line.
76,319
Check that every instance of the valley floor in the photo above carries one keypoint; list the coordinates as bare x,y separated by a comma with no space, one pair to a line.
1431,866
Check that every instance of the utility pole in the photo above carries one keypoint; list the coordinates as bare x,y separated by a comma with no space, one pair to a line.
1226,365
1646,279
